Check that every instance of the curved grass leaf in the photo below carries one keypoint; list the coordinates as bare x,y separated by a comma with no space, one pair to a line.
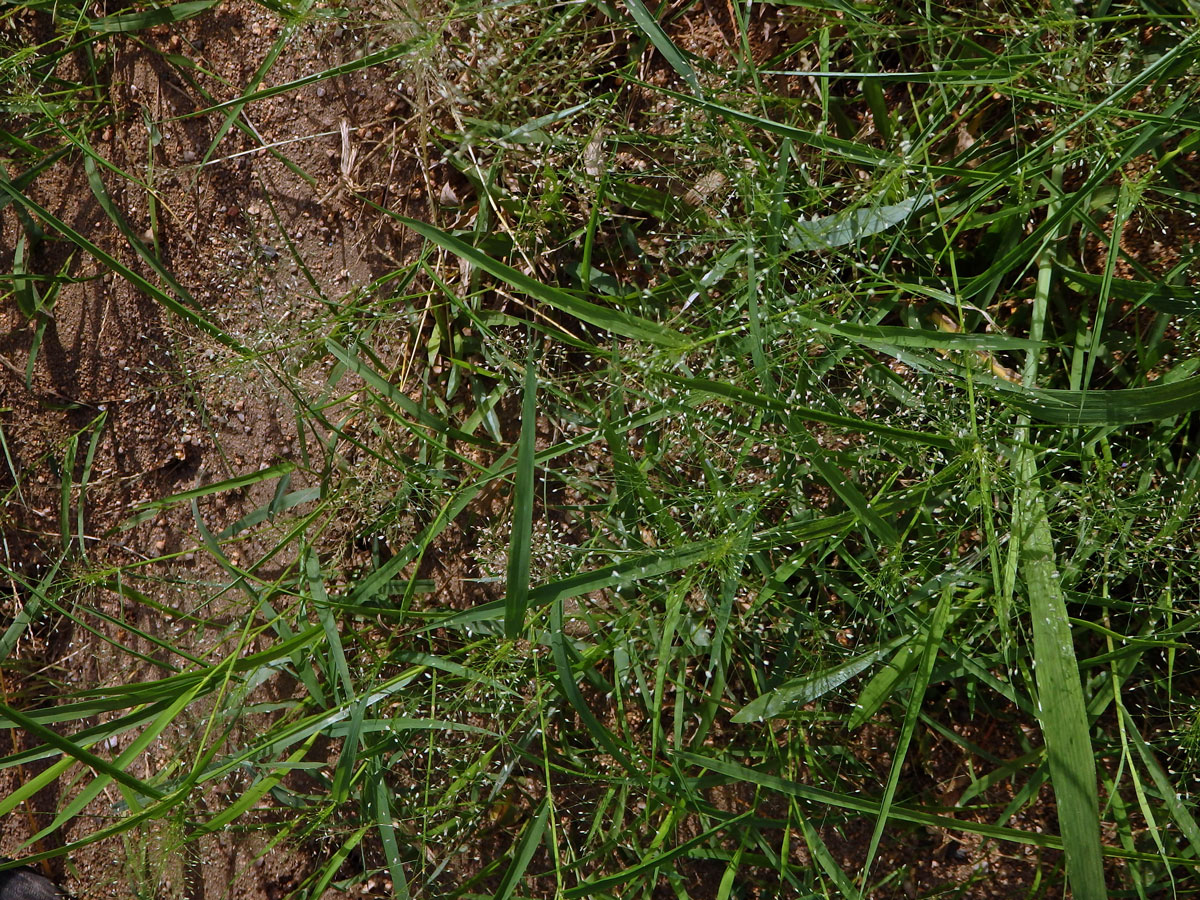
71,749
1126,406
663,44
852,225
880,687
886,336
597,886
570,690
151,509
523,852
1173,299
867,806
787,697
133,277
808,413
382,809
929,652
850,151
612,320
1166,790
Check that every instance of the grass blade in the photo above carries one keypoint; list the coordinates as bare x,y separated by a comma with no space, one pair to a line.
382,808
133,277
663,44
1127,406
613,320
598,886
523,852
795,693
1061,708
932,645
516,599
149,510
136,21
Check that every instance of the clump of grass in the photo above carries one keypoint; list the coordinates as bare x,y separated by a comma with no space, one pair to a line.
768,459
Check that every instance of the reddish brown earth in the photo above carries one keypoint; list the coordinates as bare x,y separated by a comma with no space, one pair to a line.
167,411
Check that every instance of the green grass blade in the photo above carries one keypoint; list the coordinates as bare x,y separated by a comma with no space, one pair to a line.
319,882
31,610
663,44
799,691
598,886
249,797
929,653
854,803
133,277
1166,790
516,599
820,852
255,80
136,21
105,200
612,320
1061,708
344,771
522,853
809,414
881,685
850,151
1127,406
333,638
841,485
87,758
386,390
570,690
382,809
149,510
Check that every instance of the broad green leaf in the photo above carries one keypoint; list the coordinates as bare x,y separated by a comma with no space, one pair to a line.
787,697
852,225
881,685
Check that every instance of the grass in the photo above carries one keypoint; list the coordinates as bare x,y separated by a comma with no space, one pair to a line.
767,471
